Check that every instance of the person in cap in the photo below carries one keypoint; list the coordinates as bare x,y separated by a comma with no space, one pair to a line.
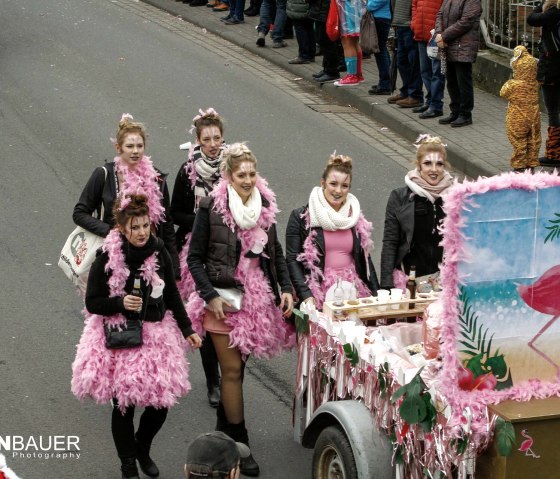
214,454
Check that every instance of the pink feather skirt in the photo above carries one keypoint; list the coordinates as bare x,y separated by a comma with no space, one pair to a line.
258,329
154,374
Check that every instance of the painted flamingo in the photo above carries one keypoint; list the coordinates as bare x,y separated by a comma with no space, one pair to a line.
543,297
527,444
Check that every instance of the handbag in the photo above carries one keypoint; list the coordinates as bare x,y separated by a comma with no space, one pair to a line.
368,34
233,296
79,252
122,336
332,26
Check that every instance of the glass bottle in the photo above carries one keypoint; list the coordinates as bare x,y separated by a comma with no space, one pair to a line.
338,294
411,285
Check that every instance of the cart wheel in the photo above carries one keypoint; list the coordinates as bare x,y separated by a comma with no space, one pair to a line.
333,457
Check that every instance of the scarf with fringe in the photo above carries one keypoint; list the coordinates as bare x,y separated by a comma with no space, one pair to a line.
143,179
322,214
421,187
203,172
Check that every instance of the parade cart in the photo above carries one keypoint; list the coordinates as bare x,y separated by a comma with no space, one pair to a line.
469,387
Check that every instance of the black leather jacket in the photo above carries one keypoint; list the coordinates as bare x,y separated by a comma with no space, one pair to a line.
297,233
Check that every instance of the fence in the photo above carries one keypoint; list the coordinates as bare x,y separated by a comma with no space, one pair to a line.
504,24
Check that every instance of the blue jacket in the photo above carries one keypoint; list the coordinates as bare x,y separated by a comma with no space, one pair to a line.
380,8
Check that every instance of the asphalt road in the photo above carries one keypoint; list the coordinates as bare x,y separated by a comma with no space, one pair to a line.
68,70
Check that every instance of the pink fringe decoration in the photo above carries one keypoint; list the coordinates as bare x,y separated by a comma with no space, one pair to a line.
143,179
399,279
155,374
258,329
456,201
318,281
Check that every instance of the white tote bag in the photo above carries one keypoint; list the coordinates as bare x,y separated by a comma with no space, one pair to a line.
78,253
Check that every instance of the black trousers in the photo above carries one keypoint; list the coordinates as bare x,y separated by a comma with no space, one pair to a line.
122,427
551,97
460,88
331,58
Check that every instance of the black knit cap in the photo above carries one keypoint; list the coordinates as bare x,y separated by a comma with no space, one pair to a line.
214,454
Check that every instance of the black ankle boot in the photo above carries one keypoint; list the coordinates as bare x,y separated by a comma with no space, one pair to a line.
128,468
147,465
247,465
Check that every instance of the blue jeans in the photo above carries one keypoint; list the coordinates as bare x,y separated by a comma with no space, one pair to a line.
236,8
382,59
268,9
433,79
408,64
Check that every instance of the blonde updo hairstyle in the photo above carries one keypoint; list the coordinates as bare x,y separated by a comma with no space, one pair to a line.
135,205
429,144
234,155
126,126
209,118
340,163
551,3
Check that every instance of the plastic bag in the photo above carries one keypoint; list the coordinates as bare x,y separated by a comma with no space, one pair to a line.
368,34
432,49
333,27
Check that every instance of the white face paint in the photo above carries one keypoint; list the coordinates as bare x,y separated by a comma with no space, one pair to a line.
210,140
243,179
432,168
336,188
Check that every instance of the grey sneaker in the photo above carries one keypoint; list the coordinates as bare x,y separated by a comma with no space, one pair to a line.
279,44
260,39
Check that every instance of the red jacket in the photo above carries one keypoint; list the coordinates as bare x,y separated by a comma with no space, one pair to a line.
424,18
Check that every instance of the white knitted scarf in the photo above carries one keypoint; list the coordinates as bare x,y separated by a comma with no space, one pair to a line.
245,215
324,215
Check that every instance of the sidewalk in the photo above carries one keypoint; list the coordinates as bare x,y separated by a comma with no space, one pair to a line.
479,149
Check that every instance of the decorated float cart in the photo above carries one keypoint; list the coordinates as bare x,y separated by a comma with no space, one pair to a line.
470,388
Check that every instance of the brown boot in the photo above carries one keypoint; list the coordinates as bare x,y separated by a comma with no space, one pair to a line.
552,150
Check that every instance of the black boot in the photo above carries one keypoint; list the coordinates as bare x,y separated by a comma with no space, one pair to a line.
128,468
247,465
147,465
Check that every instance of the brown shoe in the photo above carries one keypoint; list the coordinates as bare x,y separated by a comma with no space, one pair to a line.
221,7
408,103
395,98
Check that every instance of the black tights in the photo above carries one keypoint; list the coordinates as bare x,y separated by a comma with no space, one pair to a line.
122,427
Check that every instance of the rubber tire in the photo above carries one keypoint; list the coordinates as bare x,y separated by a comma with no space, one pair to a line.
333,457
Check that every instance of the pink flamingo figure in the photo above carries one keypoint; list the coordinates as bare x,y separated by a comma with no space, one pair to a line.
543,297
527,444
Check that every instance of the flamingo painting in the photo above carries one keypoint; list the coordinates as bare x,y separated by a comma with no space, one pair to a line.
542,296
527,444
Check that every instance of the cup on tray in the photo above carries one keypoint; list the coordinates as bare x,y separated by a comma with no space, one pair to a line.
396,296
383,296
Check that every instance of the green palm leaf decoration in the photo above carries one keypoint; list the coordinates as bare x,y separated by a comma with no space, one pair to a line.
554,228
477,344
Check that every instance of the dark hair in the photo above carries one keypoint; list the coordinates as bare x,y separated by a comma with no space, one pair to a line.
235,154
338,163
126,126
209,118
134,206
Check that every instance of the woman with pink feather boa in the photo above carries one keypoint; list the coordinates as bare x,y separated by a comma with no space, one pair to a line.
234,246
330,238
154,374
133,171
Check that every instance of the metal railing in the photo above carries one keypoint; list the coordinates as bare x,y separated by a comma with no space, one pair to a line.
504,25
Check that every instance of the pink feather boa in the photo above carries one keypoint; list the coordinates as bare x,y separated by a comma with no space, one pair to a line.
457,200
143,179
320,281
128,374
258,329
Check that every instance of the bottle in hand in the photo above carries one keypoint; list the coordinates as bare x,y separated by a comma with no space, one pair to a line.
137,289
